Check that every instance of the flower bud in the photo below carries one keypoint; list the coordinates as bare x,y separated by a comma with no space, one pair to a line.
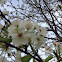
54,42
57,44
28,24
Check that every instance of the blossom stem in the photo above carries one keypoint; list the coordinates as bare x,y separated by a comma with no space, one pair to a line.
35,52
1,14
22,51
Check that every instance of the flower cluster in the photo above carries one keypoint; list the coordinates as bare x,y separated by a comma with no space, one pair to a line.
26,32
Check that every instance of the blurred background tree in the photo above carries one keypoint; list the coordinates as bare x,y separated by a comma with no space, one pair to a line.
48,14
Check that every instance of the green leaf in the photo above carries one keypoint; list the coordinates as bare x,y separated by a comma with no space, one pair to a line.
60,6
6,27
48,58
26,58
5,40
55,53
34,60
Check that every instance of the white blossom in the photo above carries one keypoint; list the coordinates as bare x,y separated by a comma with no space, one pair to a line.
15,22
28,24
27,31
42,31
18,34
39,41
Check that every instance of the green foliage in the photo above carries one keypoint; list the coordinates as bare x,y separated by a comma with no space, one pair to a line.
60,6
26,58
55,53
34,60
48,58
5,40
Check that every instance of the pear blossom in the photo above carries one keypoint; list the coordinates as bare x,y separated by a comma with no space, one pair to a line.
42,31
40,41
18,34
27,31
28,24
15,22
38,35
